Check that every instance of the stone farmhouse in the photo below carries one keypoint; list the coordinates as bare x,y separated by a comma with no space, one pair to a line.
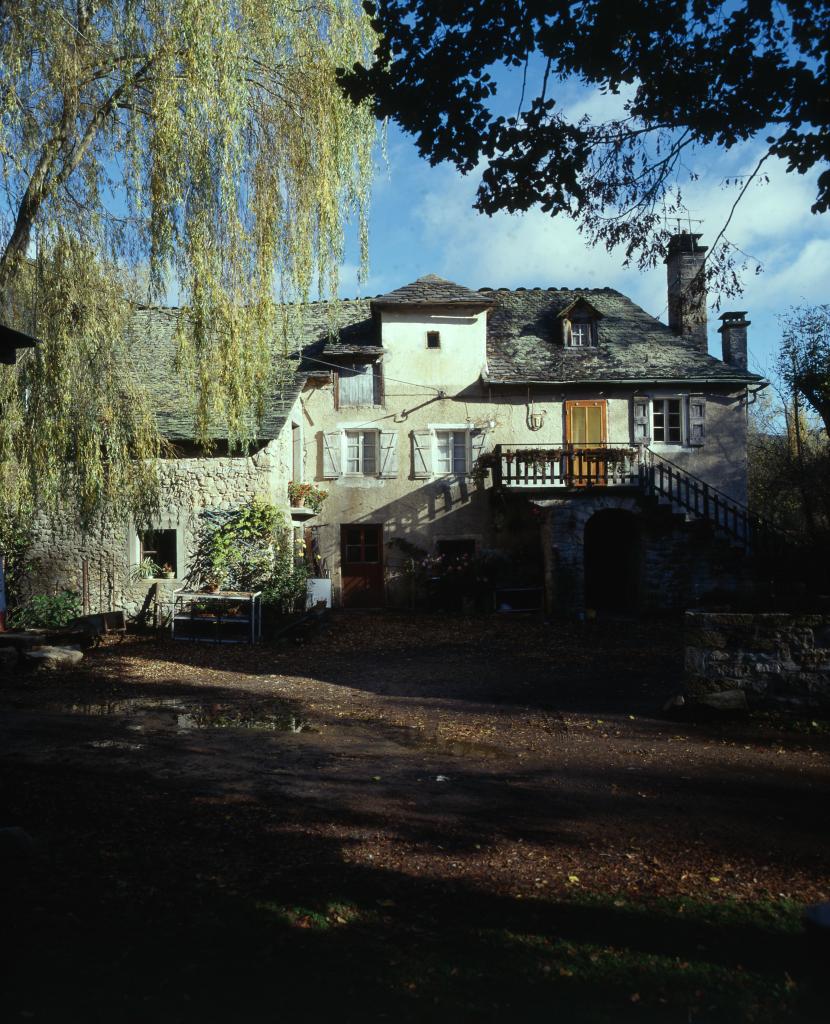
590,455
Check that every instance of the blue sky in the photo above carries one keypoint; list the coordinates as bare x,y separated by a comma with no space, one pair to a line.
422,221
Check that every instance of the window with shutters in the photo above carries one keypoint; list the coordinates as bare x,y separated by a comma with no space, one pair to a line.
354,451
446,450
675,421
360,384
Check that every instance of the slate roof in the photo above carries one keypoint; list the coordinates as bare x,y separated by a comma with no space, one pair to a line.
431,290
151,337
523,346
524,343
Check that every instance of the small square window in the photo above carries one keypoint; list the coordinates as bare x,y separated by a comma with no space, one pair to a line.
433,339
160,547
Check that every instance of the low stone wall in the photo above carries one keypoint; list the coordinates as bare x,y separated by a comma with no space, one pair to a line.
775,659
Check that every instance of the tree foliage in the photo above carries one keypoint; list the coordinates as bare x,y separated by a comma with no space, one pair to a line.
202,145
249,548
804,357
696,73
76,429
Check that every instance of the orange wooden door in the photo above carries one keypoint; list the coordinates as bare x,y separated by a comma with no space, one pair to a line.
586,427
361,565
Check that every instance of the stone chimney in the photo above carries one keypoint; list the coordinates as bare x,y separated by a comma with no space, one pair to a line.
733,338
687,288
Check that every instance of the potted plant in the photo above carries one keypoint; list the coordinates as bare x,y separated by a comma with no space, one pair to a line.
167,571
146,569
306,495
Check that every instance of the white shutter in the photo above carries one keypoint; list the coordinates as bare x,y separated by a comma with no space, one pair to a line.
567,339
421,454
697,420
642,429
477,439
389,453
331,455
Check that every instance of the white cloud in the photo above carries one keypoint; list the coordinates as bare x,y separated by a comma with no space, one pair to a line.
423,221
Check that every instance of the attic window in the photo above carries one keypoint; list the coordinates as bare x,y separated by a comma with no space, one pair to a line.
583,334
433,339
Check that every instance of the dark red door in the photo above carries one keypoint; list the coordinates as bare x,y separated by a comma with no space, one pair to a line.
361,565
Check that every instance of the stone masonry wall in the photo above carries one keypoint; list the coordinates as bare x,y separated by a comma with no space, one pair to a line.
679,563
189,486
776,659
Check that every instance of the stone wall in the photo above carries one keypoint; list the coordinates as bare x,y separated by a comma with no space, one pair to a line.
774,658
189,487
678,563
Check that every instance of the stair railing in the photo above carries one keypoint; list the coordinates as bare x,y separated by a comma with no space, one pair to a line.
661,477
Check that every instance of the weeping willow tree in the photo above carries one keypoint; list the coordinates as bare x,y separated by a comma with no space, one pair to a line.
200,146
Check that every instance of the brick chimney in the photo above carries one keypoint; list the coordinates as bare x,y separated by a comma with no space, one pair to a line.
733,338
687,288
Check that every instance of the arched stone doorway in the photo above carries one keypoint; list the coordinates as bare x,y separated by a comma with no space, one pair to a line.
613,561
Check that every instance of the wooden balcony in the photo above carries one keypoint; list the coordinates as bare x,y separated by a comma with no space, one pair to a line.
567,466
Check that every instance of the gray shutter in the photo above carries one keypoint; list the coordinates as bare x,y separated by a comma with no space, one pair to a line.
477,439
421,454
389,453
697,420
357,385
331,455
567,340
642,430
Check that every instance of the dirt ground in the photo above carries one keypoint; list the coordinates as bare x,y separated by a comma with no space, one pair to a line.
229,832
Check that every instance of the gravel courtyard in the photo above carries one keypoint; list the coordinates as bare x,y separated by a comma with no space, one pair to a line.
421,818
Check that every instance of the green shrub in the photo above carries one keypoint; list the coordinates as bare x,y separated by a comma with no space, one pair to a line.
47,611
249,548
15,542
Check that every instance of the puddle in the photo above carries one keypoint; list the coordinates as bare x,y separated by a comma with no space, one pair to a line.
114,745
176,715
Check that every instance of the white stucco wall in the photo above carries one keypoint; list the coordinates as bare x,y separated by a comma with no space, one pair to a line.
424,511
459,361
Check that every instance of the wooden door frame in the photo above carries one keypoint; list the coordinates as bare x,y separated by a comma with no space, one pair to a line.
576,466
377,566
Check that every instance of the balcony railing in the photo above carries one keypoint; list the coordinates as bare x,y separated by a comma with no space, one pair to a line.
606,465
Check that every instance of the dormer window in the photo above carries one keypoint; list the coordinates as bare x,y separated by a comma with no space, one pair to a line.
582,334
579,320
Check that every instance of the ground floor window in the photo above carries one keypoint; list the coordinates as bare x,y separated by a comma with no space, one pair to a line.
159,547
